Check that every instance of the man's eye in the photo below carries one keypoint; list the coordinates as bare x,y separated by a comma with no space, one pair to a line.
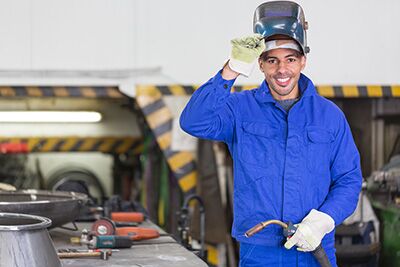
271,61
291,60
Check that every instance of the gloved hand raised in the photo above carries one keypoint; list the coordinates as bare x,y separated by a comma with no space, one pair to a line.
310,231
245,52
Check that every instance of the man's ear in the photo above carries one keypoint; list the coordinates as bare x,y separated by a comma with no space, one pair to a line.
303,62
260,64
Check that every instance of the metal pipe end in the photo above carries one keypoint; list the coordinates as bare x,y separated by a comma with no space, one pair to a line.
254,230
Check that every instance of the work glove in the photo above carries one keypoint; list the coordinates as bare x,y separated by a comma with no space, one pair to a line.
310,231
245,52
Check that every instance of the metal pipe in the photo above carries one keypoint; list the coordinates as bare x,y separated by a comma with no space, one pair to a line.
262,225
24,241
202,220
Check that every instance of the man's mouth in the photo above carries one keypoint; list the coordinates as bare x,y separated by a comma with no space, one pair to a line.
283,81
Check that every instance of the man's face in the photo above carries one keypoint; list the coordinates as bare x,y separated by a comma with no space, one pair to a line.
281,68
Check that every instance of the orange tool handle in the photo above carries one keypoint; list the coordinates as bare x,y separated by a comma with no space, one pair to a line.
137,233
127,217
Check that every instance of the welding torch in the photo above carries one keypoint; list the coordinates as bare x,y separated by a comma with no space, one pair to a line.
288,231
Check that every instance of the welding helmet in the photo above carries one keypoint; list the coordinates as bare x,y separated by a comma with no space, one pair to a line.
281,18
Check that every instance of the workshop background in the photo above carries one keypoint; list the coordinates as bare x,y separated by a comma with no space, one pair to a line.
137,62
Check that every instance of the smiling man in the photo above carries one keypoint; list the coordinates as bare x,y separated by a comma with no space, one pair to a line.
281,64
294,156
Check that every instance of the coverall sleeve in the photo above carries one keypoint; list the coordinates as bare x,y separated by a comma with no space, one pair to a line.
346,177
209,114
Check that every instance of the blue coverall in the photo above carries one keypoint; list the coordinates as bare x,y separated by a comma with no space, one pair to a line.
285,163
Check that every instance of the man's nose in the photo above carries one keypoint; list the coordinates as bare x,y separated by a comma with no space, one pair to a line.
282,66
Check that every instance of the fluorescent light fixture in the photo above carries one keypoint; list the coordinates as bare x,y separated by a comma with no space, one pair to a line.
50,116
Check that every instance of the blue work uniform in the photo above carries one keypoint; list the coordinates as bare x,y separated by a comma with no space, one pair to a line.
285,163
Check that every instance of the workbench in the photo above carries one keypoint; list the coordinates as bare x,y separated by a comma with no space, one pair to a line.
163,251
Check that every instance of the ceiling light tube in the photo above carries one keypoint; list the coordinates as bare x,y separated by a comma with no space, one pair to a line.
50,116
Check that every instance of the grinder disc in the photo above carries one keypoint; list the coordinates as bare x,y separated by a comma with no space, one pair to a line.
104,226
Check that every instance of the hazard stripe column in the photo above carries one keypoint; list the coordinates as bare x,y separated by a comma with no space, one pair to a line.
160,119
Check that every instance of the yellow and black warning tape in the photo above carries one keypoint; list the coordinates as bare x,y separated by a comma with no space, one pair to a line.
160,120
359,91
111,145
329,91
61,91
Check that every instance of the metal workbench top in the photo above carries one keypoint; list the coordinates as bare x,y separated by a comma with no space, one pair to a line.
159,252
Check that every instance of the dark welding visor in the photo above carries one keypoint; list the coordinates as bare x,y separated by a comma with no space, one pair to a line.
281,18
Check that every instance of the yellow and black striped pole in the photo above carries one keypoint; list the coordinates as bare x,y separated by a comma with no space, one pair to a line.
159,118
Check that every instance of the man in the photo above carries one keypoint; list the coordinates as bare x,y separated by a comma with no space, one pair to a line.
294,156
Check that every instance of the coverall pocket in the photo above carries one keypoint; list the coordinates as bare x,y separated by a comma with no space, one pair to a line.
318,149
254,156
255,143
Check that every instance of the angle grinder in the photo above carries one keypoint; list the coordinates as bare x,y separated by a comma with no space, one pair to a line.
105,226
102,242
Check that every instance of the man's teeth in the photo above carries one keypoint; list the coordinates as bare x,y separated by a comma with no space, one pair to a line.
283,80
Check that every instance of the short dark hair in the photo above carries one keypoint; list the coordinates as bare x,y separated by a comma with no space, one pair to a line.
264,55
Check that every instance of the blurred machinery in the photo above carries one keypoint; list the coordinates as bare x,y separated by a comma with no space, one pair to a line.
384,193
370,237
384,185
357,239
92,169
184,230
13,171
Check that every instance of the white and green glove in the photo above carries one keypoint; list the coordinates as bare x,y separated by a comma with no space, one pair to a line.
245,52
310,231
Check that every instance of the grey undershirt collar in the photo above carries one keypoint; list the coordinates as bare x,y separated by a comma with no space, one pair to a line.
287,103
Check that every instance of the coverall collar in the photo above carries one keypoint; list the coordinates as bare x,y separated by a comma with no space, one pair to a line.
306,88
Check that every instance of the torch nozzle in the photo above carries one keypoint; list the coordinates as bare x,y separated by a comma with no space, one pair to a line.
262,225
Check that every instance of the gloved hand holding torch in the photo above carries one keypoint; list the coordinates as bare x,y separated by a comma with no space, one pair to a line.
310,231
307,235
